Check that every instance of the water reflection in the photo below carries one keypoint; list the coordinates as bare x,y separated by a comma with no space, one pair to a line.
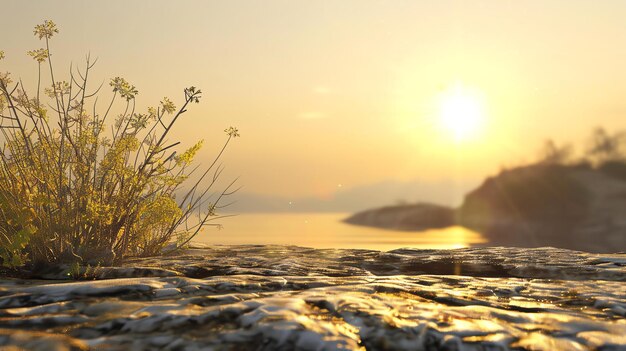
325,230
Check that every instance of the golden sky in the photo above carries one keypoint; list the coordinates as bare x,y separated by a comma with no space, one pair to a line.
338,94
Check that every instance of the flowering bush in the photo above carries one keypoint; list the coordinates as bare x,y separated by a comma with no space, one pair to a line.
69,192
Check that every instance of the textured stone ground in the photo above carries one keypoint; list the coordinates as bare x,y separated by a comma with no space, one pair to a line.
286,298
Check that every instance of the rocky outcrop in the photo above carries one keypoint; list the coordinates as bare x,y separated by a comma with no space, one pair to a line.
405,217
294,298
575,207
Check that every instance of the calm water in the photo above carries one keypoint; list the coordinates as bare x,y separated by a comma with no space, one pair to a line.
325,230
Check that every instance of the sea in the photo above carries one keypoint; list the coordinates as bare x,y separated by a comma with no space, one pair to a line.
326,230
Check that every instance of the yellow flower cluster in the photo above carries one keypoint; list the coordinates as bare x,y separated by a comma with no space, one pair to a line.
168,105
58,89
124,88
189,154
40,55
46,30
232,132
139,121
5,79
98,212
193,94
152,112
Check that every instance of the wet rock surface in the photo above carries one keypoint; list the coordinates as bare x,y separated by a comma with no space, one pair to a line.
293,298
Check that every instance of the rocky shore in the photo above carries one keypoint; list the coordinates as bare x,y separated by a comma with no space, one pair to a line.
294,298
577,207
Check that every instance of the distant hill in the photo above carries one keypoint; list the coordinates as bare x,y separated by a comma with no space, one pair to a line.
577,207
419,216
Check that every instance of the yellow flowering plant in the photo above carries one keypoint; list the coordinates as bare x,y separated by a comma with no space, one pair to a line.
71,192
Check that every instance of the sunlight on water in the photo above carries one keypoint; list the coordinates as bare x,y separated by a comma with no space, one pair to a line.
325,230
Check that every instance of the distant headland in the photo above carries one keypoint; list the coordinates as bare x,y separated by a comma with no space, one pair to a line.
576,206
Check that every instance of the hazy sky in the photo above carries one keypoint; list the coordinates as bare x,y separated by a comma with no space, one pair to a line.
341,94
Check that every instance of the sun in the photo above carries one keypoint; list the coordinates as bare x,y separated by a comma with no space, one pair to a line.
461,113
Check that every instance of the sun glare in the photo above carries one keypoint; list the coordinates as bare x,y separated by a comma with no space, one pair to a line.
461,113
